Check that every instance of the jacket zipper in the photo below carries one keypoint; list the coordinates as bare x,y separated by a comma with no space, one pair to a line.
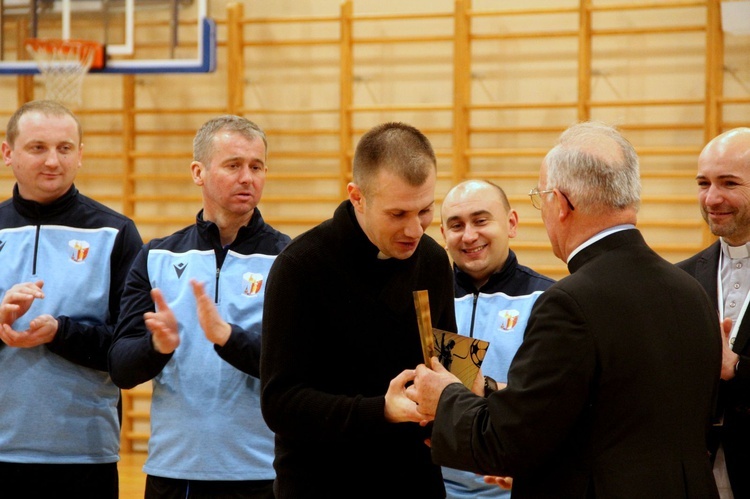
36,249
473,313
216,290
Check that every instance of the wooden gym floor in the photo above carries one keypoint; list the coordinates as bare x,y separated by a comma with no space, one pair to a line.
132,478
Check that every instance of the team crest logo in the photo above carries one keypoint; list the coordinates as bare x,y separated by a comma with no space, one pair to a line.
251,283
508,319
78,250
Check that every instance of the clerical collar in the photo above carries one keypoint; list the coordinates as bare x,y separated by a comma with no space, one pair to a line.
735,252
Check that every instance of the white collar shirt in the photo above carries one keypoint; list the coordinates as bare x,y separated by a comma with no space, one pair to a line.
733,289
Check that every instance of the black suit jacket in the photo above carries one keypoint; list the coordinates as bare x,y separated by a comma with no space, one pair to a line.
610,394
704,266
733,408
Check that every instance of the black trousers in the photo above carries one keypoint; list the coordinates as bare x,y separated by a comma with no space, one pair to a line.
735,438
42,481
169,488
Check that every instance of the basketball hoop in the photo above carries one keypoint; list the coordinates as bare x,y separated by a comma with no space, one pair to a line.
64,64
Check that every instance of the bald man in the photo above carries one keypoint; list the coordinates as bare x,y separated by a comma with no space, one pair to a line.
494,293
724,200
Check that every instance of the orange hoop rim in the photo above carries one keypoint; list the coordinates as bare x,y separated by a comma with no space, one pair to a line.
80,47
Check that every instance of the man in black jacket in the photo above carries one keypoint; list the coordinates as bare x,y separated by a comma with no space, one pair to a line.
339,324
724,198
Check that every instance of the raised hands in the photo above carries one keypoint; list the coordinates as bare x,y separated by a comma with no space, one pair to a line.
165,334
215,328
15,303
18,299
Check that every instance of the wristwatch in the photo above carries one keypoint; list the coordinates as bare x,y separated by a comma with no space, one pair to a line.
490,385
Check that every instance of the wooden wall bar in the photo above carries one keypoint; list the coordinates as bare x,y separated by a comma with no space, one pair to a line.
483,125
492,88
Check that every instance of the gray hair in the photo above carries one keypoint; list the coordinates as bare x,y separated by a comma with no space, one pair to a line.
203,144
595,167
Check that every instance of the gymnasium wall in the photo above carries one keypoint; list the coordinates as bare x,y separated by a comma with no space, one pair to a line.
491,83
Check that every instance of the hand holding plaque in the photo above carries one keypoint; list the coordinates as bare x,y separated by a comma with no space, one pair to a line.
461,355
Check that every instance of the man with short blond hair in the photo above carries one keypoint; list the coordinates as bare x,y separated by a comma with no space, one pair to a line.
65,258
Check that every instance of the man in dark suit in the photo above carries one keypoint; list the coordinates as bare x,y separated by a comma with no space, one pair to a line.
611,392
724,198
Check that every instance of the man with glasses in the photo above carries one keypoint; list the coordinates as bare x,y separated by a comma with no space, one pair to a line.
612,390
536,198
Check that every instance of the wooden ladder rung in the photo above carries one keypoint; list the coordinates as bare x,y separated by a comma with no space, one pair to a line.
137,435
138,414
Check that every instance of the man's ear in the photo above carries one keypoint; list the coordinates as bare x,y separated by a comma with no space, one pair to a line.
197,170
512,223
355,196
563,206
7,153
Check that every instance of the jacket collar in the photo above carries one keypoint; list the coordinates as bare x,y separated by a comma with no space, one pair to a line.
344,216
505,273
33,209
607,243
209,231
706,268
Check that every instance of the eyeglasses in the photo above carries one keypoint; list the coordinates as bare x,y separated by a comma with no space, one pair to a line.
536,198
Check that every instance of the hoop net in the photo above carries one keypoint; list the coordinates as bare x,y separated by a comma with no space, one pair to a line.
64,64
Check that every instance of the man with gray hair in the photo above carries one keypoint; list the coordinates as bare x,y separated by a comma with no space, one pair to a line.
191,318
611,391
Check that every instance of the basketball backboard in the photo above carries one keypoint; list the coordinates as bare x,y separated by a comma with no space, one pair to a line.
139,36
